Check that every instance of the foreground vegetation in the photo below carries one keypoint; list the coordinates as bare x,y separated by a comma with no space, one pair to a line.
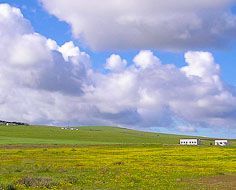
117,167
110,158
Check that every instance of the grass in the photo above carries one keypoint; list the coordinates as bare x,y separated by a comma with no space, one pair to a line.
85,135
114,167
110,158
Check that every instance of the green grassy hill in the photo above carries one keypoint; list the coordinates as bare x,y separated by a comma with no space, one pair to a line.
85,135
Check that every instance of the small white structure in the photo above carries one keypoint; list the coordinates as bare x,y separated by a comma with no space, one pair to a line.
69,128
221,142
192,142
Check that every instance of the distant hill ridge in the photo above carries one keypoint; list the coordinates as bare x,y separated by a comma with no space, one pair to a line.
2,122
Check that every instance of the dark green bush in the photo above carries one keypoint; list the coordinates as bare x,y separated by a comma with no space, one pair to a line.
37,182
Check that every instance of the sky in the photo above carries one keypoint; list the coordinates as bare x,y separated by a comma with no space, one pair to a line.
148,65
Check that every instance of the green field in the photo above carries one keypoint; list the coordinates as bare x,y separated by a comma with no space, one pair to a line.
110,158
85,135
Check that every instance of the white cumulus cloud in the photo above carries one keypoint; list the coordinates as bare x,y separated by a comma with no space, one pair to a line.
146,59
169,24
115,63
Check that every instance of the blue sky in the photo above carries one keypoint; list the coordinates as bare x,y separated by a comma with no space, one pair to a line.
51,20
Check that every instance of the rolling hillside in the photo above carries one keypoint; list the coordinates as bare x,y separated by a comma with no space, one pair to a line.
85,135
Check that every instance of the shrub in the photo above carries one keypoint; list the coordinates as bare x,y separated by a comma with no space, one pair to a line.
119,163
10,187
72,179
37,182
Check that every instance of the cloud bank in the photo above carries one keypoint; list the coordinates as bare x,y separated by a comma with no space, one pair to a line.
42,82
137,24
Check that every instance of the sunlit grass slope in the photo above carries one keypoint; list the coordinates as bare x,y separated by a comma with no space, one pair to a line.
83,136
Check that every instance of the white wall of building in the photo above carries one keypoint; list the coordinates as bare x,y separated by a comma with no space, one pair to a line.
221,142
192,142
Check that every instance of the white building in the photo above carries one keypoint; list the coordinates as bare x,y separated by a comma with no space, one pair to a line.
192,142
221,142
